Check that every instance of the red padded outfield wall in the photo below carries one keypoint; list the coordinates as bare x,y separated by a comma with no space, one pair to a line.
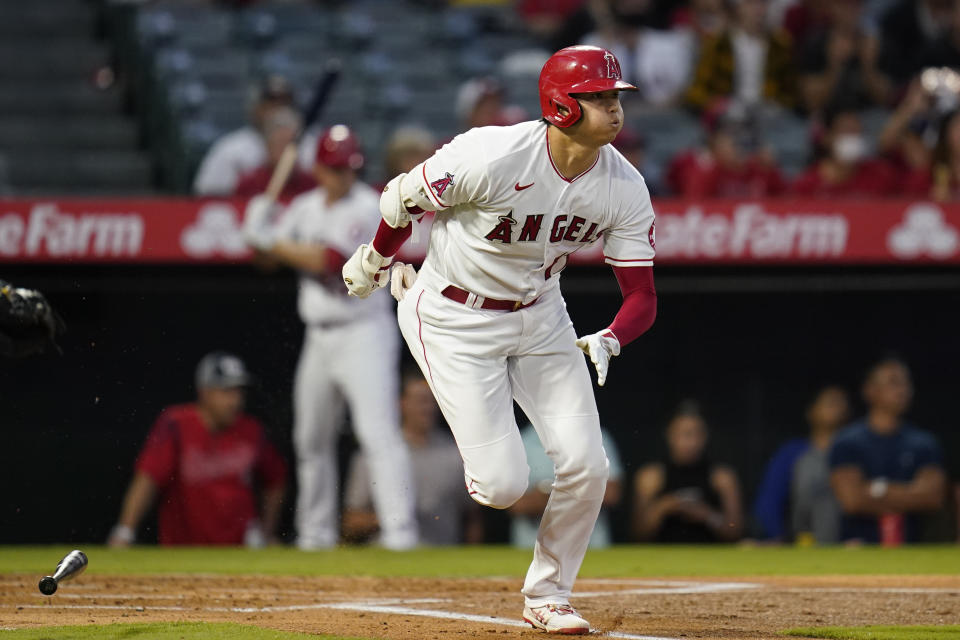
785,231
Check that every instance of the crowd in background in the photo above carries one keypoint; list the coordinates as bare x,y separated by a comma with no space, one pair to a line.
740,67
875,479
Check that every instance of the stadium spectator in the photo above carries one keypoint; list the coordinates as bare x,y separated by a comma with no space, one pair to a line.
749,63
632,145
280,128
844,168
546,19
703,19
407,147
815,511
795,495
838,64
903,137
445,513
245,149
732,165
526,512
687,497
908,30
945,50
656,61
884,470
803,18
940,180
480,103
199,462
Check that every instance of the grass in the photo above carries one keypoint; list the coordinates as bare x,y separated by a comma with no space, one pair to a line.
161,631
945,632
622,561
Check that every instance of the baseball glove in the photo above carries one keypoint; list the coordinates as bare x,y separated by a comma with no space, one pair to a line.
28,324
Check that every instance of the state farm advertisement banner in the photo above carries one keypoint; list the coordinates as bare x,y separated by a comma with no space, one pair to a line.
167,230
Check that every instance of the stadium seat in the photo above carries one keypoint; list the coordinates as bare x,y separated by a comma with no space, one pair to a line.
63,118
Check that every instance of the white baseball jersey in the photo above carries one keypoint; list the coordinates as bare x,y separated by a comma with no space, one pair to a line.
341,226
507,219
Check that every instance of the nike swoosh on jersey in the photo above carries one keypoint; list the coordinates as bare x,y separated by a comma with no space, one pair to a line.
519,188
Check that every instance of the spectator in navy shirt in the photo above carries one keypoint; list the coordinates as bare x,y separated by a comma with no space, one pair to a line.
883,467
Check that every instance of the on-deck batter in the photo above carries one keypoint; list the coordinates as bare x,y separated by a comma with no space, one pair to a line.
313,236
485,319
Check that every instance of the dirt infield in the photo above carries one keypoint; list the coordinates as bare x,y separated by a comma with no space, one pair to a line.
421,608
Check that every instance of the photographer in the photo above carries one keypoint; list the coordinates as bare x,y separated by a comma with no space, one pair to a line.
910,134
941,179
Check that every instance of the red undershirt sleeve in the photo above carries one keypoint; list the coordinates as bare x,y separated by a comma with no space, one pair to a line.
639,308
389,240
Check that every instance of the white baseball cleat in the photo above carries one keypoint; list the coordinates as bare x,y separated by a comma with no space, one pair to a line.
556,618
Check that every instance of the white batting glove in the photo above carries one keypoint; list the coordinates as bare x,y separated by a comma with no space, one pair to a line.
600,347
402,277
257,227
366,271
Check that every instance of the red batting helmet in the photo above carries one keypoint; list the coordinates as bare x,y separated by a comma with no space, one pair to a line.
339,148
580,69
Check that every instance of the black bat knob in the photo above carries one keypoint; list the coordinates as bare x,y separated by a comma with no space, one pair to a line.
48,586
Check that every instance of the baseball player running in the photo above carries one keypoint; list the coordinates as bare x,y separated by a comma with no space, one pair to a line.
485,319
343,338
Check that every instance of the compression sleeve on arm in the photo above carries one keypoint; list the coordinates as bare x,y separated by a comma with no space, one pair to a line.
639,308
389,240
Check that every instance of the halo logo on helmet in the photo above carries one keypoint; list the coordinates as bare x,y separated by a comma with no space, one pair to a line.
339,148
579,69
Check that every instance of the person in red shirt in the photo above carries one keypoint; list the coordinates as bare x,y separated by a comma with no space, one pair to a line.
844,168
280,128
201,461
726,167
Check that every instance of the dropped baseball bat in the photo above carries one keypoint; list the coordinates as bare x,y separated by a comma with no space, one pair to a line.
319,99
71,566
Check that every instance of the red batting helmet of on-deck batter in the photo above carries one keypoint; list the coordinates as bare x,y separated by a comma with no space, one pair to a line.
339,148
580,69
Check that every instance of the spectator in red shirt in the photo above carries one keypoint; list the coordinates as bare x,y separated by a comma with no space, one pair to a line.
733,164
280,128
201,460
845,168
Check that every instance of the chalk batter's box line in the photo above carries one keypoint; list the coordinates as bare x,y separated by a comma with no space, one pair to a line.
344,606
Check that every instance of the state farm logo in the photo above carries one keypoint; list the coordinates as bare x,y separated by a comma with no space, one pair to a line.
923,232
751,232
216,230
48,231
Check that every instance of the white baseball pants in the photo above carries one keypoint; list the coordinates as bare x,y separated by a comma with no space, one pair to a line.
351,365
478,362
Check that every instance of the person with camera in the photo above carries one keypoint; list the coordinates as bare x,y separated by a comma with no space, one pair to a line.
905,137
